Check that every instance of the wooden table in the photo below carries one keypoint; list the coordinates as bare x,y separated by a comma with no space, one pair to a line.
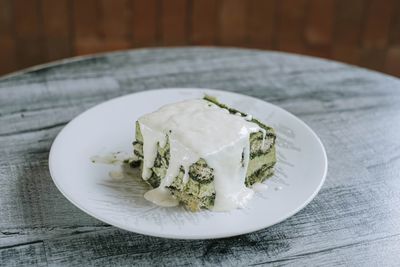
354,220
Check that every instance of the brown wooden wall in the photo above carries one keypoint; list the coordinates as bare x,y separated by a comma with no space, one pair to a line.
361,32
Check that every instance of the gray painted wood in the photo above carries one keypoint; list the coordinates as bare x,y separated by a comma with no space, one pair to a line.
354,220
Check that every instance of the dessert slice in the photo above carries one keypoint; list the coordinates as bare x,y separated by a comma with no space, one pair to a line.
203,154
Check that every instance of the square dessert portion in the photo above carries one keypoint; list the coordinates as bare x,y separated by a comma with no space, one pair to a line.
203,154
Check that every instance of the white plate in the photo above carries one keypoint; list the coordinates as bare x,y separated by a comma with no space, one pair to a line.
109,127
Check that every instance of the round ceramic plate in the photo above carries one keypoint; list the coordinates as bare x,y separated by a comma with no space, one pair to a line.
99,190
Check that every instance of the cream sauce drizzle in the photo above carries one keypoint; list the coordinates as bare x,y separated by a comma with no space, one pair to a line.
259,187
198,129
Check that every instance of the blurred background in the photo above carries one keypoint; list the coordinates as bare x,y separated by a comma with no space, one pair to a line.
360,32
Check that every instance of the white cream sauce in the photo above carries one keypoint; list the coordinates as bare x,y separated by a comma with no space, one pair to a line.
259,187
198,129
161,197
248,117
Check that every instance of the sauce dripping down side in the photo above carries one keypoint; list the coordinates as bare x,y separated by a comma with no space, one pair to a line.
199,129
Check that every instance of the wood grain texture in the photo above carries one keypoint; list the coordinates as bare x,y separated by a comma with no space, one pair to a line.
8,55
28,33
373,58
232,25
57,30
175,22
360,32
394,33
354,220
87,30
392,61
204,24
348,30
319,28
290,25
261,17
146,23
115,24
377,23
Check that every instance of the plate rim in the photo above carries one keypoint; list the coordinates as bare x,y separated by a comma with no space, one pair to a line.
57,139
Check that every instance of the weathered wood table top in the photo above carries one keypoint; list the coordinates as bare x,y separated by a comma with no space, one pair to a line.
354,220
